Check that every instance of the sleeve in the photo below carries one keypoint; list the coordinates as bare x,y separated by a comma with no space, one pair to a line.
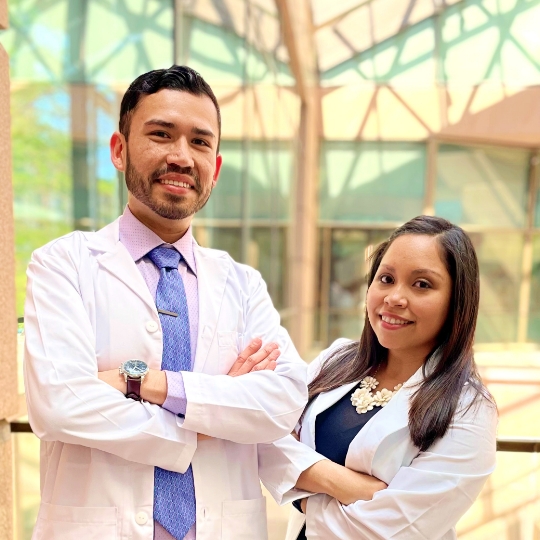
66,400
282,462
424,500
257,407
176,401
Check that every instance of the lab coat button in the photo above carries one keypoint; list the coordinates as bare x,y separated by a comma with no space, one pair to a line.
152,326
141,518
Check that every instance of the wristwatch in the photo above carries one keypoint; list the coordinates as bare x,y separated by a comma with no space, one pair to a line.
134,372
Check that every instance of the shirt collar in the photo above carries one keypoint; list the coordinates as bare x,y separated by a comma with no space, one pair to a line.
138,239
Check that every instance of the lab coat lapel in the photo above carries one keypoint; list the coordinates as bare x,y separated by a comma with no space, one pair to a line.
212,271
323,402
392,418
112,255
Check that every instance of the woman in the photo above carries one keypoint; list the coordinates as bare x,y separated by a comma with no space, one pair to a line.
398,437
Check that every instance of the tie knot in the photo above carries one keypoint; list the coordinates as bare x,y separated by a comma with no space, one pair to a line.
164,257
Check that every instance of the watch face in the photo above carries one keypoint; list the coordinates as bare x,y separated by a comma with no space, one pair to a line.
135,368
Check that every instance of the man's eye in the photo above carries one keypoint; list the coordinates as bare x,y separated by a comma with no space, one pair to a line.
200,142
162,134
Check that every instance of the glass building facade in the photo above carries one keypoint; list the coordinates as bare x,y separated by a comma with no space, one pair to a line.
421,106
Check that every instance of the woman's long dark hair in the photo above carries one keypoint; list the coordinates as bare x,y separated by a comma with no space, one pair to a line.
450,364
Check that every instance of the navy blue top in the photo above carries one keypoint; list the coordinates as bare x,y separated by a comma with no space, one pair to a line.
335,428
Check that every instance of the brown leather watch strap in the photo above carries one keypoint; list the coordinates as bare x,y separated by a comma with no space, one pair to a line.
133,389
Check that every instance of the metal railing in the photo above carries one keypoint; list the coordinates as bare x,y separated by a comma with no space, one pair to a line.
504,444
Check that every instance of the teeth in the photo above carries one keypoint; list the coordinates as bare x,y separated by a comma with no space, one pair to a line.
175,183
390,320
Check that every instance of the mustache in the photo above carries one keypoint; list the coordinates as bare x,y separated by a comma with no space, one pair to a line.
176,169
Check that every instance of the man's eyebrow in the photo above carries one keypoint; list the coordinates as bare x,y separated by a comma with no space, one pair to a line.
203,132
158,122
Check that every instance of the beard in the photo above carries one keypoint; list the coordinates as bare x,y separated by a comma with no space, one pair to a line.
172,206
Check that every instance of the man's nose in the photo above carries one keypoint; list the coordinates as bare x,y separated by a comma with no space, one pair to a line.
180,154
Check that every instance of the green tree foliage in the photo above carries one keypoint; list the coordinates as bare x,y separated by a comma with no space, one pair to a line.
41,147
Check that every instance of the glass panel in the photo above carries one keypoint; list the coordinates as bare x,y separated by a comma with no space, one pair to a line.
226,200
534,301
404,58
263,171
139,38
224,57
343,310
228,239
36,40
267,253
372,181
500,259
503,36
270,180
497,177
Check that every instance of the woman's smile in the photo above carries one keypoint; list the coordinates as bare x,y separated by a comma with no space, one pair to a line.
390,321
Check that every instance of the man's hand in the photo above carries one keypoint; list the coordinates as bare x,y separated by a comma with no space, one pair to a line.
154,387
255,357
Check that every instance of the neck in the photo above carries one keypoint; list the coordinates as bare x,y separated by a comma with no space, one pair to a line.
169,230
401,365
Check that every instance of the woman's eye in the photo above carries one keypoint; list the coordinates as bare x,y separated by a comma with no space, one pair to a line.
421,284
386,279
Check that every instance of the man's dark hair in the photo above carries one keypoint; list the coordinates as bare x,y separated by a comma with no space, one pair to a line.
181,78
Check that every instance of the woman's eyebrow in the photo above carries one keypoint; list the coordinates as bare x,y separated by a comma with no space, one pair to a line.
426,271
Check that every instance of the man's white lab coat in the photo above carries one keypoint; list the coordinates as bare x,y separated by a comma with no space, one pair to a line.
88,309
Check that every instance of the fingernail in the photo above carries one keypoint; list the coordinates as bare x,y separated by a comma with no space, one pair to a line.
256,341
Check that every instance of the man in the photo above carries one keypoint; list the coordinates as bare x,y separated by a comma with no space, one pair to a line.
139,307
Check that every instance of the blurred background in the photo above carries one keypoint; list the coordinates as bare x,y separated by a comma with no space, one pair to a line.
341,120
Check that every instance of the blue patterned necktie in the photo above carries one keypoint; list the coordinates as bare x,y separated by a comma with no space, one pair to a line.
174,493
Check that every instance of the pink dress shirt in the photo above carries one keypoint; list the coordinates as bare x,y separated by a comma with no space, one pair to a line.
139,240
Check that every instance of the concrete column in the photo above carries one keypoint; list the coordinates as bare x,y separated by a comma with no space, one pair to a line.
8,320
298,35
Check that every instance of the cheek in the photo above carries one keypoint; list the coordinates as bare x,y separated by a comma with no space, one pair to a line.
434,315
373,301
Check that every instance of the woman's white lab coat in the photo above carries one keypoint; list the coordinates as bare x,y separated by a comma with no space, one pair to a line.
427,491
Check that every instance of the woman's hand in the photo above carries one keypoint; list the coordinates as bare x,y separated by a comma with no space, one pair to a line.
343,484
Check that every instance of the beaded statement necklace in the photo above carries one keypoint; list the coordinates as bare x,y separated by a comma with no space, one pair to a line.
364,400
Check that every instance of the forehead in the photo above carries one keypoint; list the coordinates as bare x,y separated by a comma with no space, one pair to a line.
412,251
177,107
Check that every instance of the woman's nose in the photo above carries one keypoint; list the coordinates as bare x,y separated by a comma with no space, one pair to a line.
396,298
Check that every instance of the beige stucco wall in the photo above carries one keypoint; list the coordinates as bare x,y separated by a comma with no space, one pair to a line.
8,324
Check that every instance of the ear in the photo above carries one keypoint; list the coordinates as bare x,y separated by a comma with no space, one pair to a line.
219,162
118,147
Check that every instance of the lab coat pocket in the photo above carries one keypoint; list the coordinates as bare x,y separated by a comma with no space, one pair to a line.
228,344
244,520
57,522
